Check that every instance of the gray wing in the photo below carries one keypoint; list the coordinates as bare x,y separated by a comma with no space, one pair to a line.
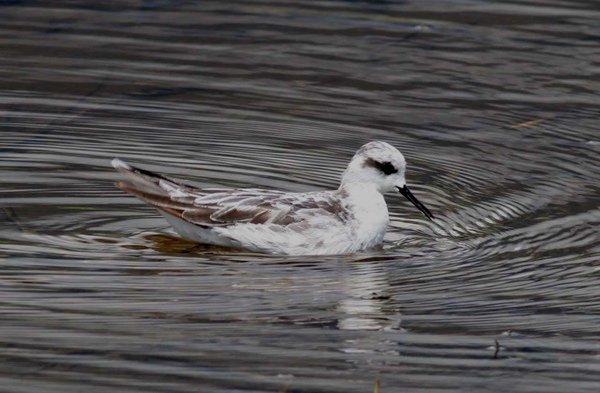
210,207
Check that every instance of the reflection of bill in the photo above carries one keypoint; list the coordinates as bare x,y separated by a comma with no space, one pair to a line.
364,307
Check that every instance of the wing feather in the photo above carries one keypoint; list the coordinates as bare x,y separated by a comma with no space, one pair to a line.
214,207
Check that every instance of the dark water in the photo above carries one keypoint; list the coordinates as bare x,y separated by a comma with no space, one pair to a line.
494,104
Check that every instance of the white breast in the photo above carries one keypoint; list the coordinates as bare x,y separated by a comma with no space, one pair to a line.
370,215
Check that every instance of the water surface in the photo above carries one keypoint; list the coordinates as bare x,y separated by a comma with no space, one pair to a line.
494,104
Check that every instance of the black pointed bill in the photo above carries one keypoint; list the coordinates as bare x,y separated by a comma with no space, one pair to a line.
409,195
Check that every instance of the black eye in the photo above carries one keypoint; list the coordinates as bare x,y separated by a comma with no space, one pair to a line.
386,167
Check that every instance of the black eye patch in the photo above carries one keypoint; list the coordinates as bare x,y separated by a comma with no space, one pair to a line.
386,167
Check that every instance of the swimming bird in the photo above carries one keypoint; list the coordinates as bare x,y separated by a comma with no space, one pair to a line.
352,218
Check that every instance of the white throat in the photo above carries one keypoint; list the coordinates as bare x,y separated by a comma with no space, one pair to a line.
370,212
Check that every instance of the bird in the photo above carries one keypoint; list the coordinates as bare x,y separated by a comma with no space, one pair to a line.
350,219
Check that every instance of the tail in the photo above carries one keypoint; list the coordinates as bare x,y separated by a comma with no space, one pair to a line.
151,187
141,176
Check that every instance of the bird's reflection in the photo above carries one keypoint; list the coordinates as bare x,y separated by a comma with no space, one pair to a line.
169,244
366,304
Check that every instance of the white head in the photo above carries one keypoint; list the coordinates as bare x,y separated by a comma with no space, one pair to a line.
377,164
380,165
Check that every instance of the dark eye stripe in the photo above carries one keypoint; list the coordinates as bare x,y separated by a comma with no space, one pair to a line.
386,167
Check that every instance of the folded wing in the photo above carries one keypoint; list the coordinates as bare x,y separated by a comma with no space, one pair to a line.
213,207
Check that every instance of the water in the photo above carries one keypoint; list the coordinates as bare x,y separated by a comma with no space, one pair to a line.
494,104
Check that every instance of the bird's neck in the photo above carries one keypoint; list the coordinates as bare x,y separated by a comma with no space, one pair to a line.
365,196
356,189
369,211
